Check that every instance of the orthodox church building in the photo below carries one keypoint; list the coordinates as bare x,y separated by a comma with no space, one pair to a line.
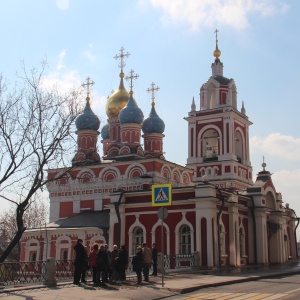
217,210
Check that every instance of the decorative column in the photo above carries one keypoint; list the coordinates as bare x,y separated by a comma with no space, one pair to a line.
205,206
261,235
234,253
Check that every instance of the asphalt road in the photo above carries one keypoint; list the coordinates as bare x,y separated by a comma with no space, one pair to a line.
287,288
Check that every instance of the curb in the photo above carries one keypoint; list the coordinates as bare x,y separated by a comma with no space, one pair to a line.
222,283
186,290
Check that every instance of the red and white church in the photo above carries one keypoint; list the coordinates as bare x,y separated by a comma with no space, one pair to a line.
217,210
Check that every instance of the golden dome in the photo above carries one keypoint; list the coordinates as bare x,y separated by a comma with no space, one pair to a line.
217,53
117,100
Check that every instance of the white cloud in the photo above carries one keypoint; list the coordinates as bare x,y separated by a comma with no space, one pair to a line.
277,145
287,183
63,4
89,53
61,57
63,81
63,78
98,106
209,13
282,154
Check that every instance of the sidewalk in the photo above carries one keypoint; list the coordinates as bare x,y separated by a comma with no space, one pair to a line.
174,283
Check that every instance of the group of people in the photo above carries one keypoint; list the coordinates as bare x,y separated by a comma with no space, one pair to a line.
142,261
107,266
111,265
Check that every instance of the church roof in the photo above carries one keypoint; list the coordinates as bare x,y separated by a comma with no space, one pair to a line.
105,132
131,113
153,123
85,219
87,120
221,79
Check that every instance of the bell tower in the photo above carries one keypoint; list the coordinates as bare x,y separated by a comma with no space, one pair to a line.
218,134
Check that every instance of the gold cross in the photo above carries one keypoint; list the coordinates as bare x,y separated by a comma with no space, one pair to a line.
87,85
121,57
152,90
216,32
131,77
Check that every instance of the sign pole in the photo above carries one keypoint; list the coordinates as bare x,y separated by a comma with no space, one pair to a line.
162,253
162,196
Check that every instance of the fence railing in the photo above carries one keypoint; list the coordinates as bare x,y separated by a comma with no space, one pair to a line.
17,273
14,273
177,261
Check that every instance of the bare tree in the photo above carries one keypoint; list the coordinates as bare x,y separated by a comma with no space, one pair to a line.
35,216
36,125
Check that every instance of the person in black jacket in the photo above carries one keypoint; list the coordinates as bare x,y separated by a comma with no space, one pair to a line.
102,266
79,261
137,264
123,263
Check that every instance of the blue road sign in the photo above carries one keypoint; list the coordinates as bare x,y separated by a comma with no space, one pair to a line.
161,194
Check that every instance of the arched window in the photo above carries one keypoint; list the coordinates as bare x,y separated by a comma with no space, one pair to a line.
239,146
33,256
64,255
211,144
137,238
202,172
184,239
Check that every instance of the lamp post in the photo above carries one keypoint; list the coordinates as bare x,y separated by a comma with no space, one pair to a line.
295,234
117,205
219,214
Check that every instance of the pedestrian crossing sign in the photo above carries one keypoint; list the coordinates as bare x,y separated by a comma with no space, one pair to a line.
161,194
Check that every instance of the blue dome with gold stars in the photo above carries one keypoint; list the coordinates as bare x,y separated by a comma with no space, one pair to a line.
105,132
87,120
153,124
131,113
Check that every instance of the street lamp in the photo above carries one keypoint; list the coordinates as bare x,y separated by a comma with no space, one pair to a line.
295,234
117,205
219,214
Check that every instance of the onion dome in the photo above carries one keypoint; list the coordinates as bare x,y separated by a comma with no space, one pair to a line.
131,113
105,132
217,53
117,100
87,120
153,124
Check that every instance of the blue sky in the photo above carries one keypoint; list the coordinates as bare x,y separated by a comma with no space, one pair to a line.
171,44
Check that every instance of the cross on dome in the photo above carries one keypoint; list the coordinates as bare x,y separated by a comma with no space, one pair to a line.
87,85
264,164
216,32
217,52
131,77
152,90
121,56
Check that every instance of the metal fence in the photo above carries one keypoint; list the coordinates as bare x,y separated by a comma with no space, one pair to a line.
178,261
16,273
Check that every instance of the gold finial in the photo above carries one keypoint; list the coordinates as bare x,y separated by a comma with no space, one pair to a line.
217,52
131,77
87,85
152,90
121,56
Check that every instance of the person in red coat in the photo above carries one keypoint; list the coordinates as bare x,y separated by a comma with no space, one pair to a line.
92,259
